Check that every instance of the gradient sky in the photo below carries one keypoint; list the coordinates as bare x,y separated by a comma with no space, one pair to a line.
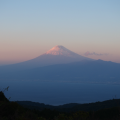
28,28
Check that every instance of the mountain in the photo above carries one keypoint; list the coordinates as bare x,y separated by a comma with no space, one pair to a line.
62,64
85,71
56,55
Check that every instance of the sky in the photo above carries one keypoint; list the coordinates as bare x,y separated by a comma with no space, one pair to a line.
29,28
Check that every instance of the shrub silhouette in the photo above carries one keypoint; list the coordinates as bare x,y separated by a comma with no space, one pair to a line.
2,97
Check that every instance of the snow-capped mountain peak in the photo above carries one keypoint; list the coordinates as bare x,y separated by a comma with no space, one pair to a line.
60,50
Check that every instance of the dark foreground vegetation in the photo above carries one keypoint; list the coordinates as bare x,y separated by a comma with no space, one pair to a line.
14,111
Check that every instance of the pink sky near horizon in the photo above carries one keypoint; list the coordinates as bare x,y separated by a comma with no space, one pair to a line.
14,54
17,50
30,28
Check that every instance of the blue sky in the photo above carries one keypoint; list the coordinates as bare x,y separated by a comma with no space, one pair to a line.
28,28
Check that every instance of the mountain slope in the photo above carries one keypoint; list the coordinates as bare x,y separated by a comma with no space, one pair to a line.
87,71
56,55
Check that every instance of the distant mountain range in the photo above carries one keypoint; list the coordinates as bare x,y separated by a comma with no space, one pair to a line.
62,64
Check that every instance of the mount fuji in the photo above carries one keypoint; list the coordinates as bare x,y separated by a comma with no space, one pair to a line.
56,55
62,64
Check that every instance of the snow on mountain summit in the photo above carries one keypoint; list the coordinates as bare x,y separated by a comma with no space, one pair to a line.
60,50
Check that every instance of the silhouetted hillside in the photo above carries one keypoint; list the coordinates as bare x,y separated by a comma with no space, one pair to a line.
72,107
14,111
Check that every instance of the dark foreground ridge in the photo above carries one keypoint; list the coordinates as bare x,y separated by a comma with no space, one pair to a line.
72,107
31,111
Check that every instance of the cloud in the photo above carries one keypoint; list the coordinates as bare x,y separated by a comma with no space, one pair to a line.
93,53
